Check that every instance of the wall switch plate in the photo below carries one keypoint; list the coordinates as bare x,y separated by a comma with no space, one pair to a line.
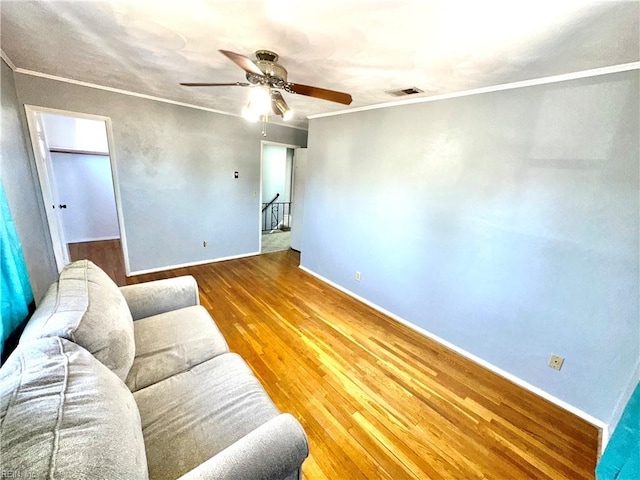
358,276
235,175
205,243
556,362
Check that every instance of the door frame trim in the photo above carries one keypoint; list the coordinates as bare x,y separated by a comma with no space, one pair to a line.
53,218
262,145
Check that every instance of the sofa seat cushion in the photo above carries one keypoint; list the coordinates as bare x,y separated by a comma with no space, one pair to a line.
171,343
65,415
192,416
86,307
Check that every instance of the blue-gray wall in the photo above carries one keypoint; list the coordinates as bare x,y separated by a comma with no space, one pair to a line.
176,172
506,223
20,183
274,173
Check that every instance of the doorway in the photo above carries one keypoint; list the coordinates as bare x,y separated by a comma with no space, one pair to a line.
77,178
276,196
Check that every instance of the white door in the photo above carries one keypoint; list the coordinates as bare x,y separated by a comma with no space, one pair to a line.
48,186
297,212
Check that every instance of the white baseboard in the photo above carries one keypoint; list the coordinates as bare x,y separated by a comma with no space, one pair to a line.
604,430
191,264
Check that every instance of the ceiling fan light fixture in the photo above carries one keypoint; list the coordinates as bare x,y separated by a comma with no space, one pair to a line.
259,104
288,115
249,114
280,107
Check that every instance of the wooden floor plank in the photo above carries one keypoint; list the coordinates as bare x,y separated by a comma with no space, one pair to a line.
377,399
107,254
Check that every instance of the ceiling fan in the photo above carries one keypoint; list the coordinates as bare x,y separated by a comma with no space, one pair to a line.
266,72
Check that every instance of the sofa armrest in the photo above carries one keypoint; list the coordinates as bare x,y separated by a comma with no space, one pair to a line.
152,298
272,451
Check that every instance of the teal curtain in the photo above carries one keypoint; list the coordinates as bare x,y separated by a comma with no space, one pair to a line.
16,294
621,459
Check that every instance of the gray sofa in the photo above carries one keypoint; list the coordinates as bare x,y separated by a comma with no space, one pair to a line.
136,382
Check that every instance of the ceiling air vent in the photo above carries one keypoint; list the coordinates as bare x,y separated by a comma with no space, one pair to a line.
405,91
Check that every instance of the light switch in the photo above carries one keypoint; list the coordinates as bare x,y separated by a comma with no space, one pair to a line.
235,174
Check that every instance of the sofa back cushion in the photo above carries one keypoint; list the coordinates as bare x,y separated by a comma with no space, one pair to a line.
65,415
86,307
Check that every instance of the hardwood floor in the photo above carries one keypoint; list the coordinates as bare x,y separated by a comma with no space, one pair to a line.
107,254
378,400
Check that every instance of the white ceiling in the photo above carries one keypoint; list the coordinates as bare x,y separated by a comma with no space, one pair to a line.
365,48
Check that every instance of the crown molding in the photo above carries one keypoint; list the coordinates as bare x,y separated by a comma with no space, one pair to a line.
7,60
496,88
133,94
118,90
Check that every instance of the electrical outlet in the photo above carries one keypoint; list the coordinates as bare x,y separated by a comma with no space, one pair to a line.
358,276
205,243
556,362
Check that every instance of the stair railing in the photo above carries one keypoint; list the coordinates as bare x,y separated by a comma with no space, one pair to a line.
267,205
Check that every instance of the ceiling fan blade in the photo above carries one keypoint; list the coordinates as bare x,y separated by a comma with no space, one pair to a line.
235,84
243,62
322,93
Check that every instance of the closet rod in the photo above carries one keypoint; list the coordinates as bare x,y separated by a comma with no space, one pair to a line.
77,152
